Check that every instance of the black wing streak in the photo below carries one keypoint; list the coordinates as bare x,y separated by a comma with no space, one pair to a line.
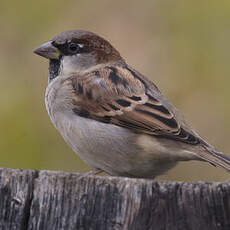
113,76
169,122
160,108
123,102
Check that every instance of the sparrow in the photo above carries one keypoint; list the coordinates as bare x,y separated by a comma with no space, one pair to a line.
115,118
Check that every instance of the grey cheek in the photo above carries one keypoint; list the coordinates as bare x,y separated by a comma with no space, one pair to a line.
86,60
77,63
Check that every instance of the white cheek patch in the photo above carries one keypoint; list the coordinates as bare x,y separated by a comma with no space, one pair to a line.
68,66
76,63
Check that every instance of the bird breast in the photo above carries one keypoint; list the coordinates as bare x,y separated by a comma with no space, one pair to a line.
116,150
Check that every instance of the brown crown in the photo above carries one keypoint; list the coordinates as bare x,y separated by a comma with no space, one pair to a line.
93,43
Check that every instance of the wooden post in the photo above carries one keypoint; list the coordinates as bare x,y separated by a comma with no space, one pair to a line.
48,200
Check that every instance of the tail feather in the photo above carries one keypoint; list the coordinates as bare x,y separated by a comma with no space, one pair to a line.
215,158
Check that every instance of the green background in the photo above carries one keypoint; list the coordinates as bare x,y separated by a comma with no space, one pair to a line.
183,46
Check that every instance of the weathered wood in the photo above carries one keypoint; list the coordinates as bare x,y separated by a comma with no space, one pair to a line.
16,189
40,200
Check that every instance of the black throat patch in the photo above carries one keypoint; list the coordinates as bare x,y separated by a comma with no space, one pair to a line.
54,67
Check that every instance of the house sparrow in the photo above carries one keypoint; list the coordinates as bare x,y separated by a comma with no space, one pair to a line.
111,115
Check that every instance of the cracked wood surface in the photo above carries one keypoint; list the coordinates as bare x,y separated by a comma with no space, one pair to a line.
40,200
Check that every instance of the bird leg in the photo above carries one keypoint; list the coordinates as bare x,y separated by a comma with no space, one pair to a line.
91,173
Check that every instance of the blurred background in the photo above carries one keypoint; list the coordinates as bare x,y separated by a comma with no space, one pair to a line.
183,46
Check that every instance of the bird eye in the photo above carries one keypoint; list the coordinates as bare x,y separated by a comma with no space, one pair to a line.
73,48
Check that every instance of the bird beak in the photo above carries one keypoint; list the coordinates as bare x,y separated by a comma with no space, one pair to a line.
47,50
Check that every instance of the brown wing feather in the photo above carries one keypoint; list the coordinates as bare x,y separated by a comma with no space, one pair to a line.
120,96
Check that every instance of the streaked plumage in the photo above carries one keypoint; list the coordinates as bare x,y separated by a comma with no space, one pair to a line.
111,115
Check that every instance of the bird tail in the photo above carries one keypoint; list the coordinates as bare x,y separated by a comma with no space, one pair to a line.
215,158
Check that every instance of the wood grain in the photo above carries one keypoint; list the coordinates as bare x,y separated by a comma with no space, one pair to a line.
38,200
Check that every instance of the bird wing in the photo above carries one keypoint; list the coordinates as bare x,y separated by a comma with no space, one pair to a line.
121,96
